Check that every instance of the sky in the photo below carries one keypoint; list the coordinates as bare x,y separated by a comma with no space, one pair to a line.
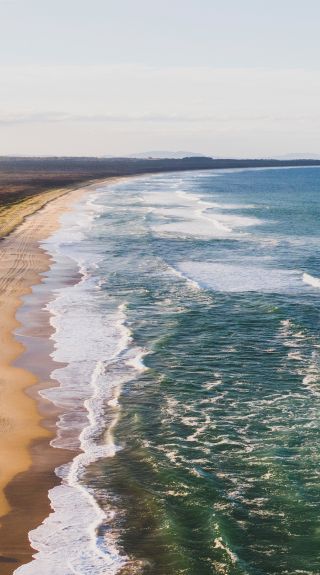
226,78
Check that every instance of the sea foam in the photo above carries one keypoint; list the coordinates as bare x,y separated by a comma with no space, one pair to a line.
181,213
96,357
311,280
229,277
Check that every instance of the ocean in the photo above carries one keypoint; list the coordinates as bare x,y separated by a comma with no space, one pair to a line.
188,368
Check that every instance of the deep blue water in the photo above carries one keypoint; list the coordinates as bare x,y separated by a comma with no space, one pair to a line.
218,470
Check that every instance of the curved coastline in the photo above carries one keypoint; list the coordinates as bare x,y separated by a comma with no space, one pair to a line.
27,420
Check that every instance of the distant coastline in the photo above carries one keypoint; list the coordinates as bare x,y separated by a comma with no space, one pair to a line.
28,183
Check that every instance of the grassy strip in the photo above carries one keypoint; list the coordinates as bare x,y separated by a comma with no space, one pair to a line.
13,214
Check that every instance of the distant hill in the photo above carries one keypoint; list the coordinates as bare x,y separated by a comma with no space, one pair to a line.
180,154
165,154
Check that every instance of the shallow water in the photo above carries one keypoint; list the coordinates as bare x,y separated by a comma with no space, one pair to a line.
192,341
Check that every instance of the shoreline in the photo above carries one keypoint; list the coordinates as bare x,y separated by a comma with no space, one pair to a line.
27,420
13,215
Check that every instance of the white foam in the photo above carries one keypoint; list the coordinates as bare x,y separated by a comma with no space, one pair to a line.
188,214
94,350
240,278
195,228
311,280
183,276
234,221
311,378
219,544
135,359
161,198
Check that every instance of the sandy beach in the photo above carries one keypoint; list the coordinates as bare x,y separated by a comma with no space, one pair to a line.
27,422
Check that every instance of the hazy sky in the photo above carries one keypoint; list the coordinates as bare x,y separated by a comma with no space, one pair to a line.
227,77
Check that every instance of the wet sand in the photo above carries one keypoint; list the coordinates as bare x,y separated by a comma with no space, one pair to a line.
27,422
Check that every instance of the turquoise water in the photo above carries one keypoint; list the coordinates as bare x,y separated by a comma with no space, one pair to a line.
218,470
214,421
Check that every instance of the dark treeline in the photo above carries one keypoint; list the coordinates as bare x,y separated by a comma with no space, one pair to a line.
118,166
25,176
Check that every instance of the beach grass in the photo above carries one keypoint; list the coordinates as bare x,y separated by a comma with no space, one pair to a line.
14,213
